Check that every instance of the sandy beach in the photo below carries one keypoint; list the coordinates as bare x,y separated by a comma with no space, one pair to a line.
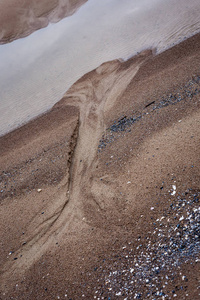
99,197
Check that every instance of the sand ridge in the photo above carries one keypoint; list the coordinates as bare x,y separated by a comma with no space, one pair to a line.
90,95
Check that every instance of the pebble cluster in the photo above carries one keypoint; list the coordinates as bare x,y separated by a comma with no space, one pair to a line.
150,266
187,92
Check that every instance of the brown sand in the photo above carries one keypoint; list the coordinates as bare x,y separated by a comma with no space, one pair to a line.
19,18
67,209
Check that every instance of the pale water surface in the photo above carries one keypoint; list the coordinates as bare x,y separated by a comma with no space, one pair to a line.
36,71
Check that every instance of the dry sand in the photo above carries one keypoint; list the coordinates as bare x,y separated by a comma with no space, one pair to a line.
19,18
99,197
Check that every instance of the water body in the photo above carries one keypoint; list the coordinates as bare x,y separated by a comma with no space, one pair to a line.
37,70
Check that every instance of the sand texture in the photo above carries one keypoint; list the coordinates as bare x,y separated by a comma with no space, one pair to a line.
19,18
100,196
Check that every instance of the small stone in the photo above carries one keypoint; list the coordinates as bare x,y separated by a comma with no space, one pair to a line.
39,190
174,190
184,278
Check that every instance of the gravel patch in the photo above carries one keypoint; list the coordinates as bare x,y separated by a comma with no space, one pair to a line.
150,267
187,92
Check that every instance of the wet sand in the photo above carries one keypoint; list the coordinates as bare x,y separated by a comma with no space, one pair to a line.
100,196
20,18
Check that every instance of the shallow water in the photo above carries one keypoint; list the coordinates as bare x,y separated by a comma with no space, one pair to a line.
37,70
